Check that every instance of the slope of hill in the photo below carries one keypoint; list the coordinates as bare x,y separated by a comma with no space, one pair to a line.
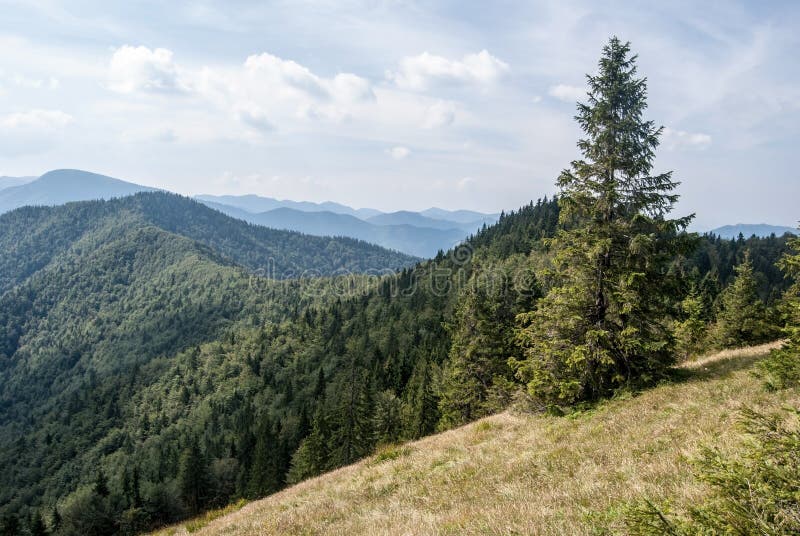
8,182
526,474
32,236
751,229
65,185
97,296
268,386
417,241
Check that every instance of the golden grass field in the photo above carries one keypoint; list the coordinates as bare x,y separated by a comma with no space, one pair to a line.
525,474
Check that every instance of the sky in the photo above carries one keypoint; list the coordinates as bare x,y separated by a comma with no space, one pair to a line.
397,104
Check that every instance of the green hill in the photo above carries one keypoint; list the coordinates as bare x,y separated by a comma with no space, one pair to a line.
138,350
516,473
93,294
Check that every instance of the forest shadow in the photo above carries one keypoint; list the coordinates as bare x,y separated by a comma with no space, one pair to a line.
715,369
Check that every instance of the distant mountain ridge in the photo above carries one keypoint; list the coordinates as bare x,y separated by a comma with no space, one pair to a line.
8,182
257,204
66,185
417,241
413,233
422,234
750,229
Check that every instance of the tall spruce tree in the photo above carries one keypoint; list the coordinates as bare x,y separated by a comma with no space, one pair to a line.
602,325
781,369
482,341
742,318
193,478
266,475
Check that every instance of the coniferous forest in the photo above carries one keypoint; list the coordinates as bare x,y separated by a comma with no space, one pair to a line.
159,359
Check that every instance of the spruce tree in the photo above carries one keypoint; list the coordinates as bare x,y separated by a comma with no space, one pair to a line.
742,318
602,325
36,526
387,422
690,331
482,342
781,369
420,404
193,478
265,475
312,456
351,430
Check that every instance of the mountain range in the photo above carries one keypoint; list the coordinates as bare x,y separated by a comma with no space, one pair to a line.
747,230
8,182
421,234
65,185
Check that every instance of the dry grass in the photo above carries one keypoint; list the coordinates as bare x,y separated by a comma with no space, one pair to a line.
523,474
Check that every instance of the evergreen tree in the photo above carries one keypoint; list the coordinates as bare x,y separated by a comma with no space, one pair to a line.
387,421
266,475
781,369
193,478
352,435
691,330
742,318
101,484
482,342
420,405
36,526
602,325
312,456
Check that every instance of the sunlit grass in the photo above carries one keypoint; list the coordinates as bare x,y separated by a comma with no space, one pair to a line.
528,474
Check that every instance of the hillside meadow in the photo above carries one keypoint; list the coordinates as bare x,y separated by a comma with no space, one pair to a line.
520,473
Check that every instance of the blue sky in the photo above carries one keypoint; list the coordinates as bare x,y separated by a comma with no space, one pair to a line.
397,104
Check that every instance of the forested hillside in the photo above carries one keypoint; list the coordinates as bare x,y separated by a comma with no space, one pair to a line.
277,381
33,236
149,372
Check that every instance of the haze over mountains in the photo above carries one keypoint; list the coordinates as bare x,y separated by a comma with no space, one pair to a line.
747,230
409,232
421,234
8,182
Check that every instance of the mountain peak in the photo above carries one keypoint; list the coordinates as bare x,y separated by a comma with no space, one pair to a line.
66,185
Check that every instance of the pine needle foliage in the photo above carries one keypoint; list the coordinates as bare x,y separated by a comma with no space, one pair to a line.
602,325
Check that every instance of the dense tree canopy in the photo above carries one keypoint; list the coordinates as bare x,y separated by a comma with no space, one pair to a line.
150,370
601,325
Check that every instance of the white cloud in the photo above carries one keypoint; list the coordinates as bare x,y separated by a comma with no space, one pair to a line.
35,83
37,120
567,93
464,183
135,69
31,132
439,114
285,78
680,139
399,153
268,89
420,72
255,117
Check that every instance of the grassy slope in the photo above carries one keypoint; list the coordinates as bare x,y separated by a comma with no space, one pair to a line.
523,474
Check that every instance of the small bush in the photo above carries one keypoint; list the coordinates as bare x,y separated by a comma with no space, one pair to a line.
755,493
390,452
